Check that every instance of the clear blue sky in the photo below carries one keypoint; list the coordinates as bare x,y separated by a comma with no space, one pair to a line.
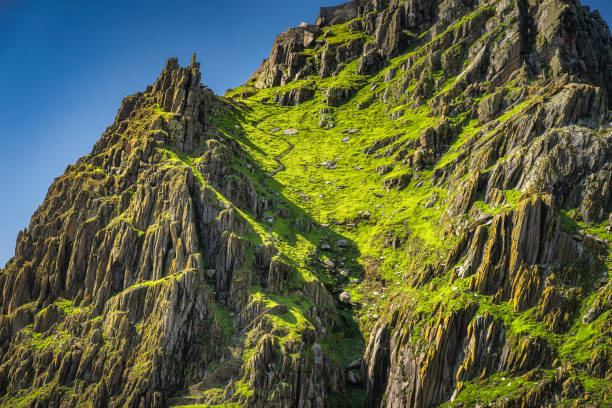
66,64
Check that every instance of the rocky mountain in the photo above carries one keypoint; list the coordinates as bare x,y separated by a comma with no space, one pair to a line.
409,204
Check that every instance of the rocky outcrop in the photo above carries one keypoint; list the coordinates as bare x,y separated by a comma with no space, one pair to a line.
546,166
523,247
483,347
429,371
273,364
518,264
294,97
334,56
286,60
398,182
335,97
564,29
178,89
376,364
338,14
574,40
278,275
111,289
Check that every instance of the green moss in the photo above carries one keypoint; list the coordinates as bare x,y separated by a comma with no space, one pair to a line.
25,398
586,340
493,388
224,320
467,132
159,112
340,34
67,307
57,342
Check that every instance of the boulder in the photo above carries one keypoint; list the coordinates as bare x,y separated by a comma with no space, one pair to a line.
294,97
345,297
329,264
343,243
336,96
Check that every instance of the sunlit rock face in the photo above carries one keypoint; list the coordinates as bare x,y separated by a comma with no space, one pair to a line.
407,205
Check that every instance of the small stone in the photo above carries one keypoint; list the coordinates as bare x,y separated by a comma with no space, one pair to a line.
343,243
429,205
346,139
210,273
325,247
344,273
345,297
290,132
350,131
353,378
275,130
329,165
329,263
355,364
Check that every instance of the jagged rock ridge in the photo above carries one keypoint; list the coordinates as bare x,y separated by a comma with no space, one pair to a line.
124,284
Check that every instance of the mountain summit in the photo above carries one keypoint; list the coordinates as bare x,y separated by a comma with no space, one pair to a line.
409,204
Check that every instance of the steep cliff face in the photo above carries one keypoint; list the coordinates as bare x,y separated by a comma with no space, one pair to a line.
124,289
500,132
409,204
